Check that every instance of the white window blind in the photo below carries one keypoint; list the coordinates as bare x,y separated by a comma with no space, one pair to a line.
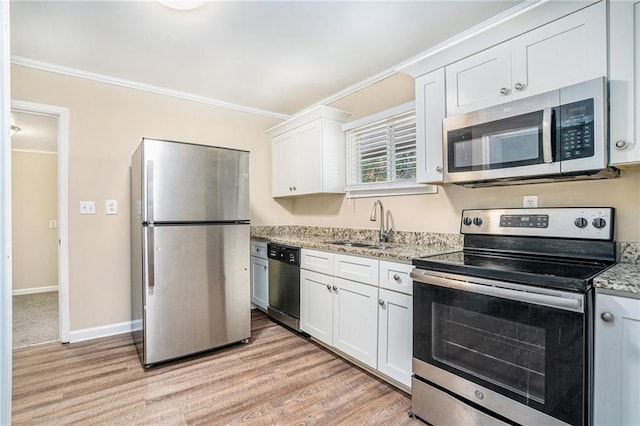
382,154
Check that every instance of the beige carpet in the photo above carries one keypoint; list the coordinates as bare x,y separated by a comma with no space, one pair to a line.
35,318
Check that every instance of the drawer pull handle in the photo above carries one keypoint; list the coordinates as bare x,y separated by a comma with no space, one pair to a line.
396,277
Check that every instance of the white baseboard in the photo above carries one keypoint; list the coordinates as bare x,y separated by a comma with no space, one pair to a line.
35,290
101,331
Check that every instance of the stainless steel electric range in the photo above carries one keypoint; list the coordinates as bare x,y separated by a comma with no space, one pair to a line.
503,329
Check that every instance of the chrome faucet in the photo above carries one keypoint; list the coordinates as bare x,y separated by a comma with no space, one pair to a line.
384,233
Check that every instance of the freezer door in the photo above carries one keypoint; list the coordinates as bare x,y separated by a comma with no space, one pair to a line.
194,183
197,289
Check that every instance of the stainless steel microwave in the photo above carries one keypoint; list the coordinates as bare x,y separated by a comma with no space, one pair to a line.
557,135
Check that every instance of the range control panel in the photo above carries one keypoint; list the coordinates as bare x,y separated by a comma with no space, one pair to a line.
594,223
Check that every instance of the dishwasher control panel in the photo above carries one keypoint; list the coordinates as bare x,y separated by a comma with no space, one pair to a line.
283,253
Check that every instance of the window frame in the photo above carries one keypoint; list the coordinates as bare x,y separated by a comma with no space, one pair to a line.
386,188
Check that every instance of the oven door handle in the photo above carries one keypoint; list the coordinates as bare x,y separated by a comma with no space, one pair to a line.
567,304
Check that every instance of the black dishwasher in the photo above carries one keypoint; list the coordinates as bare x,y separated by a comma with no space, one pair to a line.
284,284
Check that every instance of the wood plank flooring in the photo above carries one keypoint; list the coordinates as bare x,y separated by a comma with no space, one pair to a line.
277,378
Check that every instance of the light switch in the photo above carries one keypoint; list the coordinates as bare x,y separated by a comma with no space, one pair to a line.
87,207
111,206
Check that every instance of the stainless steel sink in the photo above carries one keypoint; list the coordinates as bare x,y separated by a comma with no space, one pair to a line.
347,243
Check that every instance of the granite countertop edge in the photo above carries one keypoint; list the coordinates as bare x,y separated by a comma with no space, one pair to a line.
621,279
394,252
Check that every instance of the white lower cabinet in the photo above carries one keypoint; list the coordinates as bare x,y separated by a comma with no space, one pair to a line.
355,320
259,275
371,323
617,361
395,335
316,305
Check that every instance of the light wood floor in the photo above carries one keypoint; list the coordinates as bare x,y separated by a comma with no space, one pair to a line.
277,378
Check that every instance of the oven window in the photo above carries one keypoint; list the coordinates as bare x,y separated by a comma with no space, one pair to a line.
504,352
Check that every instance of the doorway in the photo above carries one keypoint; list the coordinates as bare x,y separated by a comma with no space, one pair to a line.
40,216
34,228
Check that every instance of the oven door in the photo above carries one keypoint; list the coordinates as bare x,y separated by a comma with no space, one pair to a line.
517,351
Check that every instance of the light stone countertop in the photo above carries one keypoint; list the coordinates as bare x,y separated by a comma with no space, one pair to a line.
404,246
621,279
624,277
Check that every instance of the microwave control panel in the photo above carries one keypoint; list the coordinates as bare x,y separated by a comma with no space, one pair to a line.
576,130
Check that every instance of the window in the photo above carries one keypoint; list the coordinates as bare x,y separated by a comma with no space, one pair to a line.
381,154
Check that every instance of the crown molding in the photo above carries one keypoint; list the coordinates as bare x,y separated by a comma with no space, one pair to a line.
59,69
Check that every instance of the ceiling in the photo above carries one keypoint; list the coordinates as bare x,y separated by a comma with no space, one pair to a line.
276,57
38,132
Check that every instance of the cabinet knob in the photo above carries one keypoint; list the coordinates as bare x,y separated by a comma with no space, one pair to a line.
264,266
621,144
328,286
396,277
294,188
519,86
504,91
290,189
381,302
335,288
439,169
607,317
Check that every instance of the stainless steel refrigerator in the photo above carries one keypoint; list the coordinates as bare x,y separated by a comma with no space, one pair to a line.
190,286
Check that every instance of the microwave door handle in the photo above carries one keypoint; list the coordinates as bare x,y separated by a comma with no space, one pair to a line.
547,155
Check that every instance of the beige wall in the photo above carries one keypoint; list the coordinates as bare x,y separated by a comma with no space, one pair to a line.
33,205
106,124
441,212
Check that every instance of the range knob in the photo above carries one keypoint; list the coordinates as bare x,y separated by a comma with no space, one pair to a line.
477,221
467,221
599,222
580,222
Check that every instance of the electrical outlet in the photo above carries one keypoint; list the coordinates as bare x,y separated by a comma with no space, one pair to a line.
87,207
529,201
111,207
53,224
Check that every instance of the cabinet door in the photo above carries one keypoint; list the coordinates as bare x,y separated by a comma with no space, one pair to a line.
316,305
564,52
430,110
617,361
395,338
260,282
283,164
309,158
479,81
355,320
624,81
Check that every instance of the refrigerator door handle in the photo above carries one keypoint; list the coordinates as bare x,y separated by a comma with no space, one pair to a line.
151,273
149,198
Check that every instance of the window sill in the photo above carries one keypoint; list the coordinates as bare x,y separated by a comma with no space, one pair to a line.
373,190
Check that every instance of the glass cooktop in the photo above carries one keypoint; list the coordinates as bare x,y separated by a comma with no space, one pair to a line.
538,271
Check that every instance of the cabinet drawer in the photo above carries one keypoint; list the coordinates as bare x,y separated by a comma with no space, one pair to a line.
259,249
355,268
395,276
319,261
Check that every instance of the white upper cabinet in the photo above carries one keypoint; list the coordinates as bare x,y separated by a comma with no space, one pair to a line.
480,80
624,79
308,154
563,52
430,110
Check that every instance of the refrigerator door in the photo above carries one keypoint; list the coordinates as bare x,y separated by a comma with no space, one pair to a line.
193,183
197,289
